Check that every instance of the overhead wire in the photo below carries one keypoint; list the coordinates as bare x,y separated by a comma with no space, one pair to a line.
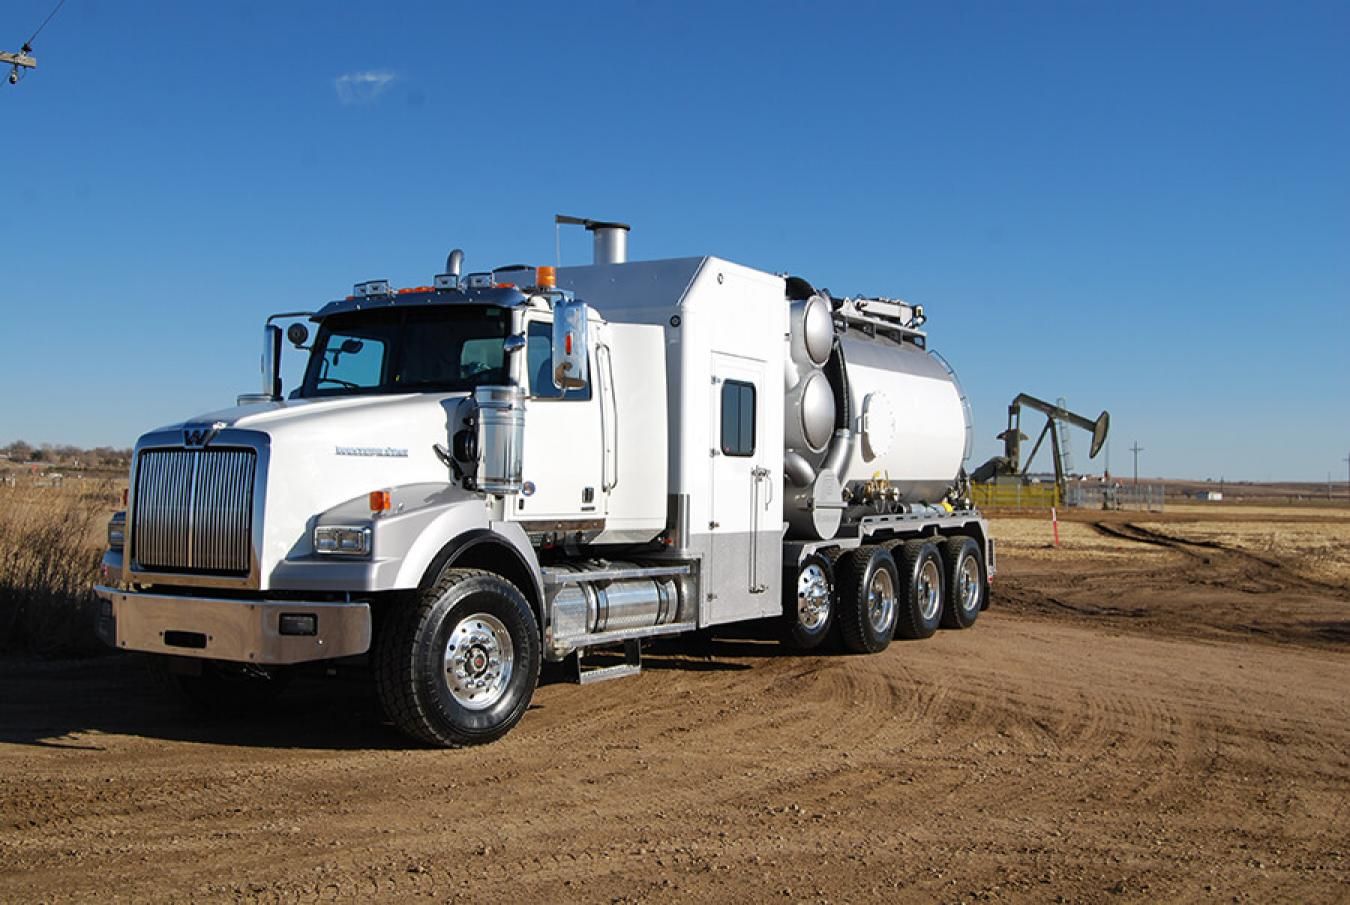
16,74
28,45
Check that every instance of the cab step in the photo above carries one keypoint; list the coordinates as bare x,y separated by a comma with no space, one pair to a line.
631,665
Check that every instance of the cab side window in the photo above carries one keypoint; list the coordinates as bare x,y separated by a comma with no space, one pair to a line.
738,418
539,363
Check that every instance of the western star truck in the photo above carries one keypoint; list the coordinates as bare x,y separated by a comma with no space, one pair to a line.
539,464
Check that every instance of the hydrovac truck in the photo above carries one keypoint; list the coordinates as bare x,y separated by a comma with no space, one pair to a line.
529,464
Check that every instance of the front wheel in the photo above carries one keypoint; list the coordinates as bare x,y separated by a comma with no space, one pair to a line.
458,666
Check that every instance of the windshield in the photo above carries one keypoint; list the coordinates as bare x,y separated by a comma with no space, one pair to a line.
398,350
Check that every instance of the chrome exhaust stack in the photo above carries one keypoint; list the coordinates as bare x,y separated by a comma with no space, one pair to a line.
454,263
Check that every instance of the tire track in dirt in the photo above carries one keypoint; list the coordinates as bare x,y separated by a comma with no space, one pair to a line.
1252,567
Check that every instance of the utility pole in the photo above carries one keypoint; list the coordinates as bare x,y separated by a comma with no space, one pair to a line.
1136,449
1346,460
23,58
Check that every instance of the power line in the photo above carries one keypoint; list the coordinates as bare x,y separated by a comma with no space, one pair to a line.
24,58
27,45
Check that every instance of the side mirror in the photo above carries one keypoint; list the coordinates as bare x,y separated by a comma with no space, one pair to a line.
513,344
271,362
569,344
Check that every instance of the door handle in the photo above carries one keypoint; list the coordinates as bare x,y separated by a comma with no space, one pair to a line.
762,474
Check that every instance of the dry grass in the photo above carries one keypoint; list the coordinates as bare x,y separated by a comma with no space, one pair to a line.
1319,548
1315,543
1032,538
51,540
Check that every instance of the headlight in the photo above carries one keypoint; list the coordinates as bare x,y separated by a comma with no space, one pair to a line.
117,531
342,540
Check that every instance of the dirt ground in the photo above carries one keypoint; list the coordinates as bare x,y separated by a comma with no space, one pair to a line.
1159,709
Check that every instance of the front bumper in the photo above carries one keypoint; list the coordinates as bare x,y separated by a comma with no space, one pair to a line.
241,631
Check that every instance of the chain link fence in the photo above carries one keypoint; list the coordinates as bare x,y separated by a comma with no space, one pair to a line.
1083,495
1142,498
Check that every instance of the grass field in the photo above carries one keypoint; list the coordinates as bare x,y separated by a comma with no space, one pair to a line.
51,539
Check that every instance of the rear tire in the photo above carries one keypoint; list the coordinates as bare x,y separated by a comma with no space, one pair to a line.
808,603
868,599
458,665
967,584
921,576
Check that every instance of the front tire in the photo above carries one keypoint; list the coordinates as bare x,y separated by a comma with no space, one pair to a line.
459,665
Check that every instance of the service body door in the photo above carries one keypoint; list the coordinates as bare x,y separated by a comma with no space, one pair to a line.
564,450
743,557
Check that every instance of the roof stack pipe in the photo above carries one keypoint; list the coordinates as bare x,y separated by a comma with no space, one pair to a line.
611,242
611,239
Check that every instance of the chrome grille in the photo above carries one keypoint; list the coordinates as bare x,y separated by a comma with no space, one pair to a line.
193,510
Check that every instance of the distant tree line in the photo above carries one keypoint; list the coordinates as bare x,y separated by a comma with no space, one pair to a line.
66,456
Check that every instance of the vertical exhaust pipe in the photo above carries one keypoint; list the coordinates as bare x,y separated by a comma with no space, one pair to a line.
611,239
454,264
611,242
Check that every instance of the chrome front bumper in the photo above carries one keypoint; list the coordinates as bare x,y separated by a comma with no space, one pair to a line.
242,631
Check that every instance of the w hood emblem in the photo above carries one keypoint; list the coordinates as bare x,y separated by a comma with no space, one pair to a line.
201,435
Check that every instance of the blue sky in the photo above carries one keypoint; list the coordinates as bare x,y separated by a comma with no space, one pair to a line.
1141,207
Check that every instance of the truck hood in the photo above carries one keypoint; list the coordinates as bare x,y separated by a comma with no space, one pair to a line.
321,453
299,413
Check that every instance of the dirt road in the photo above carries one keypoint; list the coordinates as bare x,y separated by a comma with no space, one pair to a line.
1178,731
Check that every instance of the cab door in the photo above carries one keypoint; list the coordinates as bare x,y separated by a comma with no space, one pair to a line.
741,557
563,456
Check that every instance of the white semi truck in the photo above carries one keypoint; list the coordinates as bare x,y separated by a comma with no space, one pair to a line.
522,465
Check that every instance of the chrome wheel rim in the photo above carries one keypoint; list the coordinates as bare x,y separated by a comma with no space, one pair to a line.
968,577
479,660
930,590
813,598
881,601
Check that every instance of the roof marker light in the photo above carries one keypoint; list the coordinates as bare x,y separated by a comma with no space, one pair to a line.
371,287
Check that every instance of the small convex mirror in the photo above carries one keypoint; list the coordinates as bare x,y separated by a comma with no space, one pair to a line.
569,344
297,333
